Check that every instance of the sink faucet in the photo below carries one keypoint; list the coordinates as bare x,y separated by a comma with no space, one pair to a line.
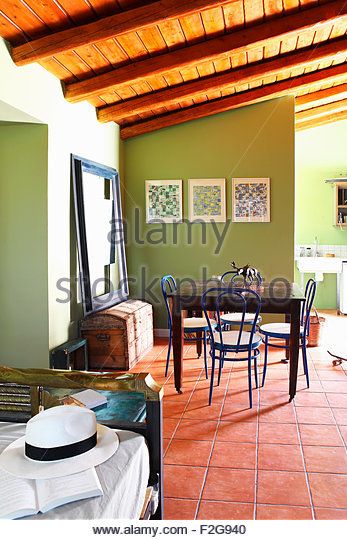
315,247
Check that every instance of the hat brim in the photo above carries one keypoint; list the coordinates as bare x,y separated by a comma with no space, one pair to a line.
14,461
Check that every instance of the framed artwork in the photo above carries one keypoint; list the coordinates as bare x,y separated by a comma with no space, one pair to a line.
207,199
251,200
163,201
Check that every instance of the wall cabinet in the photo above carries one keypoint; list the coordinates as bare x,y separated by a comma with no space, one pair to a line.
341,204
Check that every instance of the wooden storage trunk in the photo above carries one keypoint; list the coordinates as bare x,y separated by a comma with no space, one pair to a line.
120,336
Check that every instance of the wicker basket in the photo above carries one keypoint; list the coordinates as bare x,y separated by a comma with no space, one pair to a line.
316,327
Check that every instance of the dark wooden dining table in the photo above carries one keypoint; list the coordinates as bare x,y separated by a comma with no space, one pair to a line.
278,297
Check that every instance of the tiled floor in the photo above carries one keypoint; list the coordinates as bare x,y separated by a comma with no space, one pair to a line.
279,460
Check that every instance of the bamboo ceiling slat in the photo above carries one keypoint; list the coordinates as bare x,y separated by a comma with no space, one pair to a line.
223,64
205,69
153,40
193,28
322,34
24,19
290,6
157,83
172,33
273,8
103,8
59,70
114,52
174,77
51,13
79,11
213,21
234,16
254,11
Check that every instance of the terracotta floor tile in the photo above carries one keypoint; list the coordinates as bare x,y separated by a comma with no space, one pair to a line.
325,459
328,490
314,415
343,431
283,414
170,394
237,432
283,512
310,399
183,482
229,485
334,374
201,412
179,509
239,395
196,430
169,426
281,385
173,409
338,387
166,443
320,435
273,397
276,433
330,513
185,452
234,455
279,457
337,400
234,412
315,386
225,510
282,488
340,416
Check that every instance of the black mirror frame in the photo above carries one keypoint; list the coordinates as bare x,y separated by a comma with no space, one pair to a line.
90,303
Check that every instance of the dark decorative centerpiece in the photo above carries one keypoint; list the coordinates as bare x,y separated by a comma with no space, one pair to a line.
248,273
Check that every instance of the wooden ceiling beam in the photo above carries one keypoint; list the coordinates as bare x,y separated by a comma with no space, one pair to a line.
321,120
270,91
322,110
213,49
163,98
131,20
314,99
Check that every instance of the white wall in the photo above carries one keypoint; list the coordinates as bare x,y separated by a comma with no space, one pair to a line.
71,129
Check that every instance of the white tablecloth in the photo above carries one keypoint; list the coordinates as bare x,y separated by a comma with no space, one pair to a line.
123,477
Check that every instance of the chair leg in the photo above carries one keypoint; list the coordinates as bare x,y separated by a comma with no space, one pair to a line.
256,371
265,360
221,364
304,357
198,344
168,353
250,381
212,376
205,355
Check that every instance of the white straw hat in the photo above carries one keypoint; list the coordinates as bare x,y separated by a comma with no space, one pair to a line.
59,441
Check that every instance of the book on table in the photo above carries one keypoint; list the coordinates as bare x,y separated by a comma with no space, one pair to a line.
86,398
20,497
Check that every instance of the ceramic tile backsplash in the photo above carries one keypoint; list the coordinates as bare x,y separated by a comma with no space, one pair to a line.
304,249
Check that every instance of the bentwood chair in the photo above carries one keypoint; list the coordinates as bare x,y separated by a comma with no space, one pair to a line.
230,278
281,331
191,325
233,342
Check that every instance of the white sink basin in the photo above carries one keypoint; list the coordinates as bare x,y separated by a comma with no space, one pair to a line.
319,265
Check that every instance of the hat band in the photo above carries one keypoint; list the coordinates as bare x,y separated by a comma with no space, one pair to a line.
60,452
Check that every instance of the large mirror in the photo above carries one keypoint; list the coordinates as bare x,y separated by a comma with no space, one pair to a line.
100,236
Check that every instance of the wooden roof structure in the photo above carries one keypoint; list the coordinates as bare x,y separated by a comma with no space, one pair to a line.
151,64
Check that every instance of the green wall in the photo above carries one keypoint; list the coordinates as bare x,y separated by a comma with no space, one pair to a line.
24,245
255,141
320,153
